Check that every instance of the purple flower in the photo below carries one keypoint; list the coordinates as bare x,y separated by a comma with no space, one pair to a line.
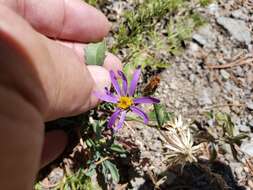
124,99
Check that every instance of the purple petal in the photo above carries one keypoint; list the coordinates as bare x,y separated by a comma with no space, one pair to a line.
113,118
134,81
121,120
146,100
107,91
124,82
106,97
115,82
141,113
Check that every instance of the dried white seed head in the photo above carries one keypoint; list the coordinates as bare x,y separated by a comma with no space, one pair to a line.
180,144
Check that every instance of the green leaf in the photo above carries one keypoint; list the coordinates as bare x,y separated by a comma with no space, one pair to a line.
238,138
117,148
113,170
129,71
161,114
97,127
225,121
152,116
90,143
95,53
213,152
91,171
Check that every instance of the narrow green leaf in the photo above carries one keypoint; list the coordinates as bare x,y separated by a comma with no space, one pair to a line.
90,143
241,136
113,171
91,171
95,53
128,70
161,114
238,139
117,148
152,116
213,152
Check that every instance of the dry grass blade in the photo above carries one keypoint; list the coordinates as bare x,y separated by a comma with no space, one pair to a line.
247,59
249,164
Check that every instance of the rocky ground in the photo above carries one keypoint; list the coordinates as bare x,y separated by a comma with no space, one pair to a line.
214,73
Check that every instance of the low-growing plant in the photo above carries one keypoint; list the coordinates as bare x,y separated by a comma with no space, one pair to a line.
137,30
139,34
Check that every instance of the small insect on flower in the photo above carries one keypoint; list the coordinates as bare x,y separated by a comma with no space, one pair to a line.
124,99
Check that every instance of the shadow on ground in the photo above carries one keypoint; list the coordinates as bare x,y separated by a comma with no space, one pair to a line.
198,176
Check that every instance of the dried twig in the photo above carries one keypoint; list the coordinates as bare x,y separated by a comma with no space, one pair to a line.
247,59
102,160
249,164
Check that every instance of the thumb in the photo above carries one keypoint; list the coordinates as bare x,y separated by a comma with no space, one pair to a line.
55,71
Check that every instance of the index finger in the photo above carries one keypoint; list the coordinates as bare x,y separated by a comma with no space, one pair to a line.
71,20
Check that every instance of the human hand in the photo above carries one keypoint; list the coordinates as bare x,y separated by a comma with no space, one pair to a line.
43,79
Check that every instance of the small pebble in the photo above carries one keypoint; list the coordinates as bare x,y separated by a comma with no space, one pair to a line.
249,105
225,75
244,128
247,148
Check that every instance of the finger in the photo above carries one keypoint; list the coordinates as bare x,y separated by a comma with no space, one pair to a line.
57,75
65,19
54,145
74,82
111,62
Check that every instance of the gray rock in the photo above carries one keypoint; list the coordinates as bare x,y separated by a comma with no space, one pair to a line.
225,75
251,123
247,148
200,39
239,72
192,78
137,182
205,37
243,128
237,28
249,105
213,9
193,47
204,97
239,14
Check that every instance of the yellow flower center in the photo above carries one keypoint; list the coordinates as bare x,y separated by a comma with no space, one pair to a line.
125,102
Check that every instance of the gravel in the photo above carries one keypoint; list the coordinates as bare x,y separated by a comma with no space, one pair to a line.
249,104
190,88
